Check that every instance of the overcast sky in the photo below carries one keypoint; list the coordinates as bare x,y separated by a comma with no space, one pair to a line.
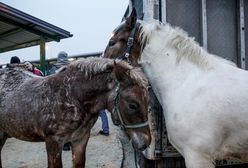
90,21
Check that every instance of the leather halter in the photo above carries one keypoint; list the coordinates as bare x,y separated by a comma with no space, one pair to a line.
116,110
130,42
124,57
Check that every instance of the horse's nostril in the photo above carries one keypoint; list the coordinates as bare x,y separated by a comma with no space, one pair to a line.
140,147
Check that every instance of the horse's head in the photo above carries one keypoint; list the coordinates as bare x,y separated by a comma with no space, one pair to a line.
125,42
130,104
91,80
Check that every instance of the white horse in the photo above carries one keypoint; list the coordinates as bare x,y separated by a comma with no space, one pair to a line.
204,97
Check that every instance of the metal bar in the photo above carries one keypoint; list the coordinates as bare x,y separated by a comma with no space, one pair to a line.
156,10
204,24
241,33
131,5
163,10
148,8
43,56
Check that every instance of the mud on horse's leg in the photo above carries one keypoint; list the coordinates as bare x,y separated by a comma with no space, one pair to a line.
54,151
3,138
79,151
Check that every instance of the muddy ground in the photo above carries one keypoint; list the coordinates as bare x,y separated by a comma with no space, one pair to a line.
102,152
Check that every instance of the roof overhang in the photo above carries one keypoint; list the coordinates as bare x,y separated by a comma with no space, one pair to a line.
20,30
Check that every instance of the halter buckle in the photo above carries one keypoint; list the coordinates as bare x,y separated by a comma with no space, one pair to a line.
127,55
130,41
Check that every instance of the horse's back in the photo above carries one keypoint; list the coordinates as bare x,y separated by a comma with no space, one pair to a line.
13,77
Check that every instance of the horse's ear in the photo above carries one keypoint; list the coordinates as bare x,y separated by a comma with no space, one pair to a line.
121,72
109,68
131,20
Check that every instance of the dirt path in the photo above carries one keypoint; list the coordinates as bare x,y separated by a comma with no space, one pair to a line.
102,152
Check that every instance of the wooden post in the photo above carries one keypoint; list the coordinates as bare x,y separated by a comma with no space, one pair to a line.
43,56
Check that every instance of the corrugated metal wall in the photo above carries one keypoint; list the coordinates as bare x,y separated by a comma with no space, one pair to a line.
186,15
222,28
218,25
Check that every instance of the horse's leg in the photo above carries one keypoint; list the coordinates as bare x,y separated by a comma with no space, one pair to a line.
54,151
3,138
79,151
195,159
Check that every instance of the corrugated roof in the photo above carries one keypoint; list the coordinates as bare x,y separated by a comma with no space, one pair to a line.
20,30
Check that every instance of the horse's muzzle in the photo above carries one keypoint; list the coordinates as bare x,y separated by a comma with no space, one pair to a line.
140,140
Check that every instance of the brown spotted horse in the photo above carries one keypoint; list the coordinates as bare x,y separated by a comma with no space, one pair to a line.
63,107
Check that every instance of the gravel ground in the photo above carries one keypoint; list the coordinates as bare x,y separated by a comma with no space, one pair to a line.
102,152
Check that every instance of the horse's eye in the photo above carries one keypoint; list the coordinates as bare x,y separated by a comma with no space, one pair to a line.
111,43
133,106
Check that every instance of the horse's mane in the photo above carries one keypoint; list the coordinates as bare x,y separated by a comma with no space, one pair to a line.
139,77
186,47
93,65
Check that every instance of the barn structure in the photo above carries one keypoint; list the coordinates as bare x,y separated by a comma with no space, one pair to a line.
217,25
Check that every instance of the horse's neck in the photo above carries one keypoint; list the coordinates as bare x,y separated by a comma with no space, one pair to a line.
163,69
93,92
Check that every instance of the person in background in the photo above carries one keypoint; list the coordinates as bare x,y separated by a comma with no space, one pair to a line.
104,119
30,67
15,60
62,60
105,125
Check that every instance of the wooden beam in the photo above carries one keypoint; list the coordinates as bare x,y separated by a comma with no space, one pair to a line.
43,56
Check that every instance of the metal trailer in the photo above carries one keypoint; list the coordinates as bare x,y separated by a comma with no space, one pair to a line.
218,26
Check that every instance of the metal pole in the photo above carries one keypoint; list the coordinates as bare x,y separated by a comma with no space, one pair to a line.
204,24
163,11
43,56
156,10
148,8
241,33
130,6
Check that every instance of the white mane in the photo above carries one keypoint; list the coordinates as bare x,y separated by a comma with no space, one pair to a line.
186,47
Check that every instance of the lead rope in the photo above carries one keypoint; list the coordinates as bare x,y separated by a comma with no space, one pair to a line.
135,159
